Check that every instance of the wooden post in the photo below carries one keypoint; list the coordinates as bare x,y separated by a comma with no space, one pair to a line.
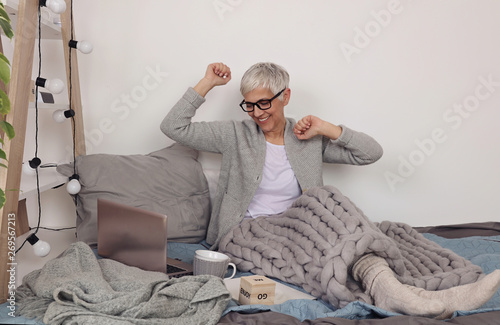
19,88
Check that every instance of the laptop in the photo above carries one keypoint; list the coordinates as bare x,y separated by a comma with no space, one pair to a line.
136,237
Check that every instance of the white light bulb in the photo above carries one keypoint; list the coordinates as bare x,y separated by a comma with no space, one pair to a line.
55,86
58,116
84,47
56,6
61,115
27,170
73,186
41,248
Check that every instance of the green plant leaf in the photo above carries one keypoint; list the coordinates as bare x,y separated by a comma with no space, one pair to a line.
2,198
2,165
3,12
4,58
5,22
8,129
4,70
6,27
4,103
3,155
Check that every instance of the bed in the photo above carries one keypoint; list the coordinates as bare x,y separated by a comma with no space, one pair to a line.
477,242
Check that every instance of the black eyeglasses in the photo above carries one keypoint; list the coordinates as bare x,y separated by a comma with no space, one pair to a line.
262,104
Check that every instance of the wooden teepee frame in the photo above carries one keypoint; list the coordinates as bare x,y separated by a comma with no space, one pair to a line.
13,215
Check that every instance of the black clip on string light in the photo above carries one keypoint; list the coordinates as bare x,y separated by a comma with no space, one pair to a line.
42,248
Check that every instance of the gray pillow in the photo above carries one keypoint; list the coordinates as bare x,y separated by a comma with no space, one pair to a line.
169,181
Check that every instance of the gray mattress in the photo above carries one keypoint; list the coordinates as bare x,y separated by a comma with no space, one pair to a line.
478,242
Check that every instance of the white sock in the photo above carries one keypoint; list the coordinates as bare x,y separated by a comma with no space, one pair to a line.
465,297
390,294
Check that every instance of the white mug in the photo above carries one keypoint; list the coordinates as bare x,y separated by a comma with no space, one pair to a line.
213,263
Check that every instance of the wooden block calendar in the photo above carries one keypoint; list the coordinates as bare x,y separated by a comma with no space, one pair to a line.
256,289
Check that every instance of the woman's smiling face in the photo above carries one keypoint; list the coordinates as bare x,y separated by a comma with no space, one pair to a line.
273,119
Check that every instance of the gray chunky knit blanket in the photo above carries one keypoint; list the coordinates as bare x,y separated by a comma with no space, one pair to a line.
77,288
315,243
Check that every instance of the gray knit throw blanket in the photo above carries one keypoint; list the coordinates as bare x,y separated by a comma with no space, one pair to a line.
77,288
315,243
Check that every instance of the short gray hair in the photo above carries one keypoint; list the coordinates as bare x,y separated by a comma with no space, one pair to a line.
267,75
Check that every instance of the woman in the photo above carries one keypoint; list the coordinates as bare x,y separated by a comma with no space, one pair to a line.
269,160
249,185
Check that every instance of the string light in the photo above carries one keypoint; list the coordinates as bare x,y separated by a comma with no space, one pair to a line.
55,86
74,186
30,167
40,247
56,6
82,46
62,115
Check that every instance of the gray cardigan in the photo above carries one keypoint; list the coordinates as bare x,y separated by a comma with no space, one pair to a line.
243,149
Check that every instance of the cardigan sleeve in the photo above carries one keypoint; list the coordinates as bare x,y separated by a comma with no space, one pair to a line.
352,147
178,125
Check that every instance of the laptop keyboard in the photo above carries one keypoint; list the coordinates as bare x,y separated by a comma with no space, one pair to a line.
174,269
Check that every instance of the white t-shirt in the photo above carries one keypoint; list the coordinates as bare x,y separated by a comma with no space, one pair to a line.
279,187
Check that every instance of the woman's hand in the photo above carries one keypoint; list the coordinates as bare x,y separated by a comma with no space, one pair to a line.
217,74
311,126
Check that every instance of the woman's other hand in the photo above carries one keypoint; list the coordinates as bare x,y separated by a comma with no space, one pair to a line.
217,74
311,126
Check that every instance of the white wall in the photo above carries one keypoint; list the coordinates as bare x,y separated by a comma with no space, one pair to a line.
422,77
399,85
